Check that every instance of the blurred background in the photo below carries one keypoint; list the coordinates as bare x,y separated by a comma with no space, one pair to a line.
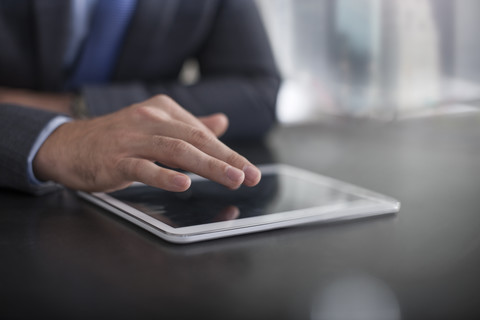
385,59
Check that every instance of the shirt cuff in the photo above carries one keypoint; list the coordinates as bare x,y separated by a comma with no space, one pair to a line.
44,134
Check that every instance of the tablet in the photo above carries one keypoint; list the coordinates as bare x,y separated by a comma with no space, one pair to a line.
286,196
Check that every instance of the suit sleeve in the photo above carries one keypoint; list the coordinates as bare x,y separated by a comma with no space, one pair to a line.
19,129
238,76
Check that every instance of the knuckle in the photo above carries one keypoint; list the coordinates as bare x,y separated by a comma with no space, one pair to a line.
134,169
199,137
126,168
164,101
159,142
138,167
162,97
175,148
149,113
180,147
235,159
141,112
214,165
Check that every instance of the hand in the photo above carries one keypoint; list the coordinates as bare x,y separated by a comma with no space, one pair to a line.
56,102
110,152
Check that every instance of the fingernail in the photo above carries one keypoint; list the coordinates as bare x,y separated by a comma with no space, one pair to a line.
252,175
235,175
182,182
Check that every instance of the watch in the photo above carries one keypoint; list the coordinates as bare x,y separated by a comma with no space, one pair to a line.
78,107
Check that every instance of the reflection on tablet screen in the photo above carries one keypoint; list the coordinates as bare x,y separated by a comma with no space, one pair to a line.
207,202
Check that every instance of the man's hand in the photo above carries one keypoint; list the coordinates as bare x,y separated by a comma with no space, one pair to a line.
110,152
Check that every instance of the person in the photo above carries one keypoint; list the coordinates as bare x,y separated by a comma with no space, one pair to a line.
97,121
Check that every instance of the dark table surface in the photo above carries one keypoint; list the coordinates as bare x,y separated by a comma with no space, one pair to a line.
63,257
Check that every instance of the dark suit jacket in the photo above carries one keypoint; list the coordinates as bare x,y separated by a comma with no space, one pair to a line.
226,37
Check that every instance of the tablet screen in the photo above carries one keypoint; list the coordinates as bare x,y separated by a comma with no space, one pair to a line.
206,201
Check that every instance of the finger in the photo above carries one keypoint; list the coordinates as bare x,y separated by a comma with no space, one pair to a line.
177,153
173,109
147,172
216,149
217,123
208,144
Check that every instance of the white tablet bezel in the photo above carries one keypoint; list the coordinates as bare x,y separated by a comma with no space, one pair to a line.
382,205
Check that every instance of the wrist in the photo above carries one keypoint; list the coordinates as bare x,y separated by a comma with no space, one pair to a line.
42,137
48,163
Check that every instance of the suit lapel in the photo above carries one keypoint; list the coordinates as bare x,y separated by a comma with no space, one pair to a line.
51,26
149,26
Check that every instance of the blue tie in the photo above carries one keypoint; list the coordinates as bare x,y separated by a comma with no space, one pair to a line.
108,26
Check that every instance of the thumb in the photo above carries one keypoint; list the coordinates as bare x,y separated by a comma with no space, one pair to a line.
217,123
